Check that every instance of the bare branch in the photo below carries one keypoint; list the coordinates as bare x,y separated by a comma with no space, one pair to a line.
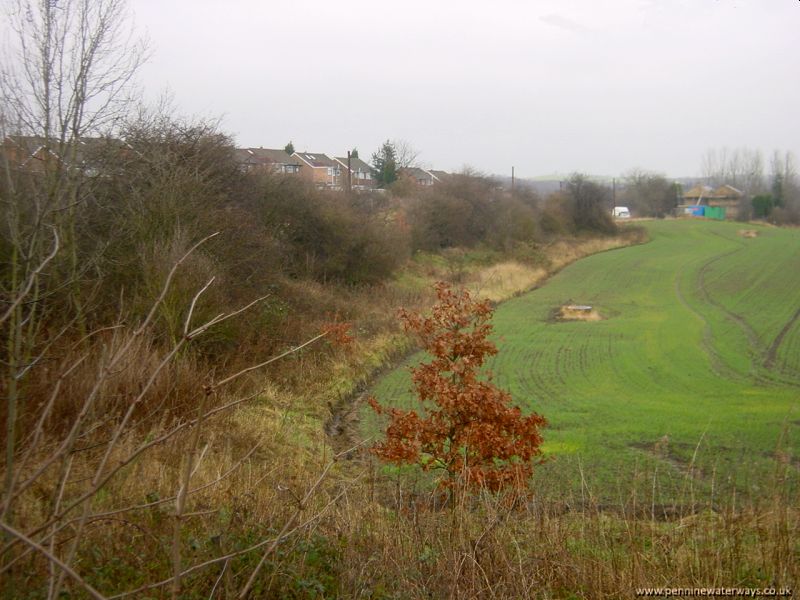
53,559
271,360
32,278
192,305
168,282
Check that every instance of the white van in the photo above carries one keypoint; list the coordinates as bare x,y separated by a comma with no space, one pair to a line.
621,212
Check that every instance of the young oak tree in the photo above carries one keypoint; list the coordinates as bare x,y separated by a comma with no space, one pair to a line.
469,428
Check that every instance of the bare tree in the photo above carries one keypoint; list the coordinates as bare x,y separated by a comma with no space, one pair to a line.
67,74
783,176
740,167
406,156
649,194
71,66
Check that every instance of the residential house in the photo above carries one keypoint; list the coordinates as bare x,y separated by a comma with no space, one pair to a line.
439,176
36,154
29,152
268,160
361,177
420,176
321,170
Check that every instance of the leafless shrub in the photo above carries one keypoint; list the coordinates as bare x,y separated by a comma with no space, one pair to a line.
115,415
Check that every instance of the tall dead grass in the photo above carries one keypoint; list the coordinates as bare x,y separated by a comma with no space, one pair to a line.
538,550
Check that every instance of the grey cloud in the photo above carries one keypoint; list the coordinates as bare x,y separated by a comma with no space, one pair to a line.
564,23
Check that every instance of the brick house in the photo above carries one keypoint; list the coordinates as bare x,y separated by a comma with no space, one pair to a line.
269,160
420,176
321,170
361,177
36,154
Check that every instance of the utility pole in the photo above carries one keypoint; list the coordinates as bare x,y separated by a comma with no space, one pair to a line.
614,189
349,173
512,180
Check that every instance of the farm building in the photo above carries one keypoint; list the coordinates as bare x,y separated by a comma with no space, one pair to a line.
705,201
728,199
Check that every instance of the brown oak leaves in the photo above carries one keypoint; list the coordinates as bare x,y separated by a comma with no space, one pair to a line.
468,427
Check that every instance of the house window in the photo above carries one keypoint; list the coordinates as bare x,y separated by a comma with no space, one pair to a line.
330,171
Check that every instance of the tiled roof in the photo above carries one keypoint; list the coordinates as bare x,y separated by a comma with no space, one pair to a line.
264,156
315,159
356,164
699,191
417,173
727,191
87,149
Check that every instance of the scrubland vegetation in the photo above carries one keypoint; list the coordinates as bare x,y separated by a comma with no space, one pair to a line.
172,355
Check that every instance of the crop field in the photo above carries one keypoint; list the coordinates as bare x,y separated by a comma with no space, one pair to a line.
687,387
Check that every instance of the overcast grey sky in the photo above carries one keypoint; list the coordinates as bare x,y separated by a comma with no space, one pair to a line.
545,85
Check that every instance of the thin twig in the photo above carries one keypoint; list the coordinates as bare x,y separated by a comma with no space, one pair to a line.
192,305
32,277
271,360
53,559
302,505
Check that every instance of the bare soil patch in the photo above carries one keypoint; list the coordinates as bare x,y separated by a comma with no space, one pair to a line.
578,312
748,233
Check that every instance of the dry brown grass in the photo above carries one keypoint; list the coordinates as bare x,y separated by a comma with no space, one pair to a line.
491,551
564,252
504,280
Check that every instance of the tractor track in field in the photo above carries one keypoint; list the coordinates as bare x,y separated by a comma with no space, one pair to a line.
758,354
718,365
754,342
772,351
766,355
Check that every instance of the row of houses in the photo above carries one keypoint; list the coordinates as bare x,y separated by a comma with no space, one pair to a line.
324,171
33,153
318,168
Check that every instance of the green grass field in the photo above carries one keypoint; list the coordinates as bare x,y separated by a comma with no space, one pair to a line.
690,386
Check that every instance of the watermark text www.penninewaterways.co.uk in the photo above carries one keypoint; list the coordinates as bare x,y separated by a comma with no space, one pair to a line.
668,592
